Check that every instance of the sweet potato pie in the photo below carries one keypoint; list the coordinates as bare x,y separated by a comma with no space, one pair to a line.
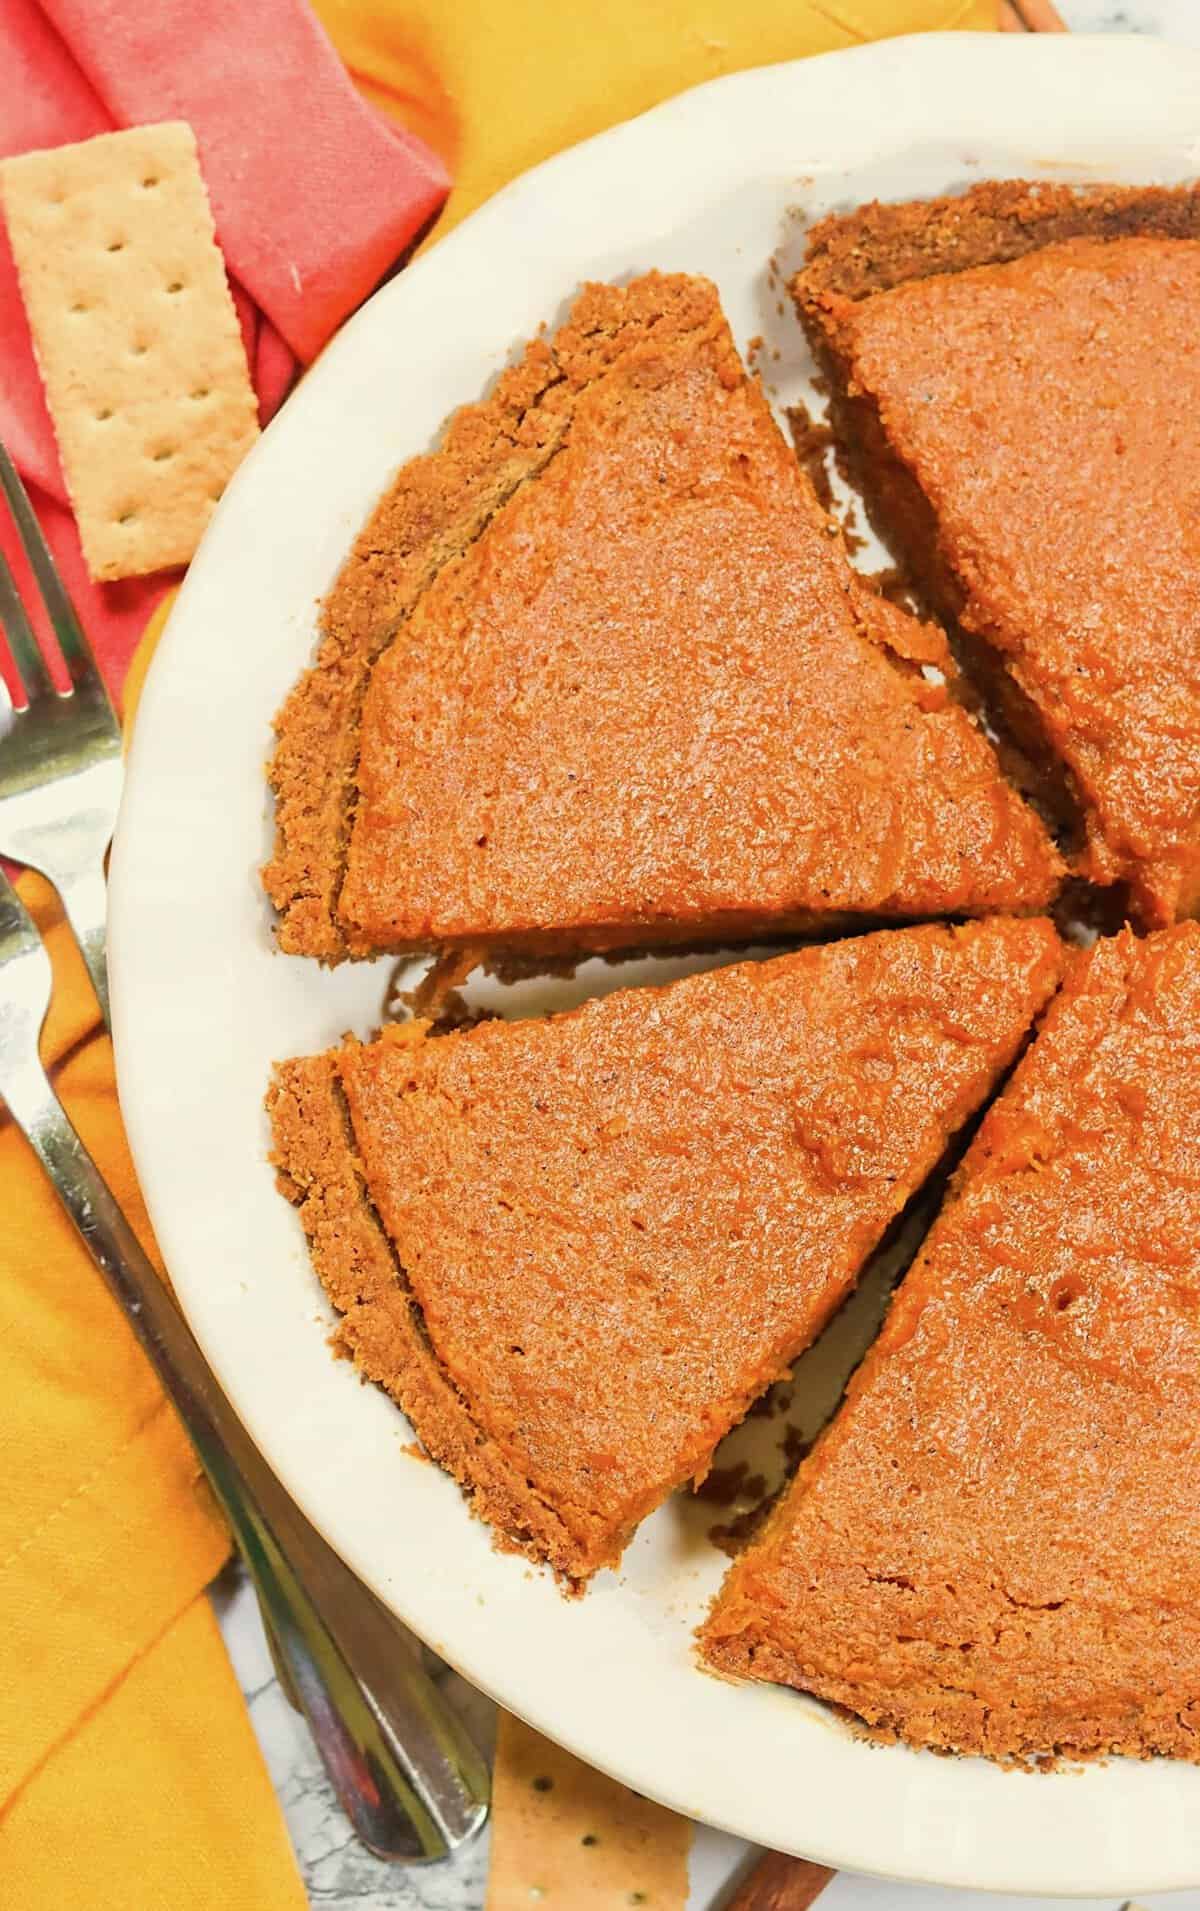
995,1546
598,675
1017,385
577,1249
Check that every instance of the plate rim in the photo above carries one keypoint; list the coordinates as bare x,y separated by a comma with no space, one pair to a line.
137,943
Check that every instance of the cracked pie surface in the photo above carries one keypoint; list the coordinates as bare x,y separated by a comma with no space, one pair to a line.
599,675
576,1249
993,1547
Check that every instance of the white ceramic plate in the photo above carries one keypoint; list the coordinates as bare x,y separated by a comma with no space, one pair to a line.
203,1003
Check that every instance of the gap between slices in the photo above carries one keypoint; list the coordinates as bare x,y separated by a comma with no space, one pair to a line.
993,1547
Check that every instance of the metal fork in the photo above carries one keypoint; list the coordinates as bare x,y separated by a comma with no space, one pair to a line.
408,1776
60,754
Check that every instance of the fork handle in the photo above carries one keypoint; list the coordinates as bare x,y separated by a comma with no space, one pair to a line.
407,1774
84,897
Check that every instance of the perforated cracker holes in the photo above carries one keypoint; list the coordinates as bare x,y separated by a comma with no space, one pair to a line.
136,336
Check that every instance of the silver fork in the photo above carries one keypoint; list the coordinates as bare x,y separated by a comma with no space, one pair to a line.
60,754
408,1776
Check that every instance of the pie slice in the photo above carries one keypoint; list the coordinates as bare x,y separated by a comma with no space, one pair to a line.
598,674
575,1250
995,1547
1017,381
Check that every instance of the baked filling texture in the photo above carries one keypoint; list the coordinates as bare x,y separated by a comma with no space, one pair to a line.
995,1545
575,1250
1016,386
599,675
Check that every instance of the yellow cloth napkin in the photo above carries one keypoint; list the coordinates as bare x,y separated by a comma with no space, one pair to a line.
495,86
129,1778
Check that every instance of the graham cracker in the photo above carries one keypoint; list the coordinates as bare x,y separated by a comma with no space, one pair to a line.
136,337
566,1838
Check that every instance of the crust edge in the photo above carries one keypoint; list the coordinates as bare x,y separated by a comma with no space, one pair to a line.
852,257
381,1327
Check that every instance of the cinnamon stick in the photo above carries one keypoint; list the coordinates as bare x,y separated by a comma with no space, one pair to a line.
1035,16
781,1884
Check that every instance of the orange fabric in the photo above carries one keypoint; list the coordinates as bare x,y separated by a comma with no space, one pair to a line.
128,1773
494,86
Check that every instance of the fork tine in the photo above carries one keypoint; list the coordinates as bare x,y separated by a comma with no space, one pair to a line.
21,641
76,650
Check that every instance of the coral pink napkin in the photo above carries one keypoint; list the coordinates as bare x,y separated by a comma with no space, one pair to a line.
314,198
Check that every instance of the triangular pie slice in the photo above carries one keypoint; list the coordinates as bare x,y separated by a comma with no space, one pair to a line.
995,1547
598,674
575,1250
1017,383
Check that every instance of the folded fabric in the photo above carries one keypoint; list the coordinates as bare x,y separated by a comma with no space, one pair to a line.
158,1801
315,197
495,86
129,1776
45,101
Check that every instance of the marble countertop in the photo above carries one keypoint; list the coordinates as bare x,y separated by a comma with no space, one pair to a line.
339,1874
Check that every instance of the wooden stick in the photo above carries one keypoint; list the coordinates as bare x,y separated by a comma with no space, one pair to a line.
781,1884
1039,16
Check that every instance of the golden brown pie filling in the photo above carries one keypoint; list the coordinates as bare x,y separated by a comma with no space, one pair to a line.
995,1547
575,1250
